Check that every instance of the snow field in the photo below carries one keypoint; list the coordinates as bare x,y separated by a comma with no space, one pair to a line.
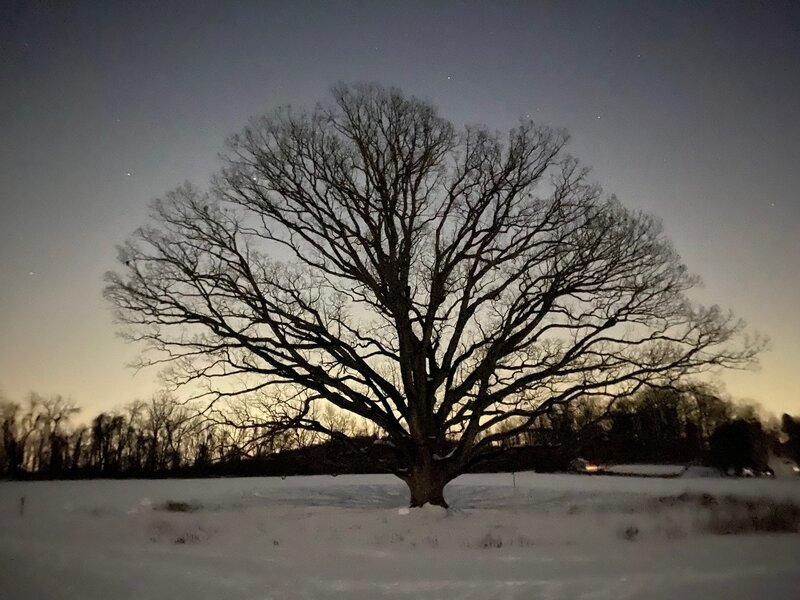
551,536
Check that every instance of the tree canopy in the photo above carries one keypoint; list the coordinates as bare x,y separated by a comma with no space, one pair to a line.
448,285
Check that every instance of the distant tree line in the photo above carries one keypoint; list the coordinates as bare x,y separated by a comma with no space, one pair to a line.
690,424
166,437
162,437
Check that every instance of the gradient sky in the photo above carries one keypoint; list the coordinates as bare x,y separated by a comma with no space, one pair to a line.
690,111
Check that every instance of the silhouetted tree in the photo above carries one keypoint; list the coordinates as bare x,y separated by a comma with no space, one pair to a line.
34,435
77,440
739,444
13,440
791,428
692,447
436,283
707,409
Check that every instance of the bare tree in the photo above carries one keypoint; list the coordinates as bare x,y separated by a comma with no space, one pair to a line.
33,436
437,283
13,448
55,413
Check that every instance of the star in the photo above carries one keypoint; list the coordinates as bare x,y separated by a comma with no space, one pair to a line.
449,78
130,174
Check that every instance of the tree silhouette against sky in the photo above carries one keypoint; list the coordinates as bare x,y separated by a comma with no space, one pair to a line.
449,286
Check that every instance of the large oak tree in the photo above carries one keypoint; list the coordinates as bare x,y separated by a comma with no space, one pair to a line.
449,286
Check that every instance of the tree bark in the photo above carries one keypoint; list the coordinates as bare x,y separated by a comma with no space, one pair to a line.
426,484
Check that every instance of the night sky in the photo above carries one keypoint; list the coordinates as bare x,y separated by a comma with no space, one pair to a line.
690,111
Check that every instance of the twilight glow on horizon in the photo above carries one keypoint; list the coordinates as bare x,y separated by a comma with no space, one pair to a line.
685,110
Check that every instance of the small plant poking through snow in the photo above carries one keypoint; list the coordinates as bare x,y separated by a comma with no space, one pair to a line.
735,516
187,538
172,506
490,541
732,515
167,531
630,533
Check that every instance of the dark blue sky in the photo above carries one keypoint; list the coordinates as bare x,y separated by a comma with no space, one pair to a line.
689,110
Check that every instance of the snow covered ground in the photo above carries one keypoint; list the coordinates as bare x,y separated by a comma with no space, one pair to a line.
646,470
551,536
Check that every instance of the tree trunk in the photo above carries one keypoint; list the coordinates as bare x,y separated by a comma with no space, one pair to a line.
426,484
